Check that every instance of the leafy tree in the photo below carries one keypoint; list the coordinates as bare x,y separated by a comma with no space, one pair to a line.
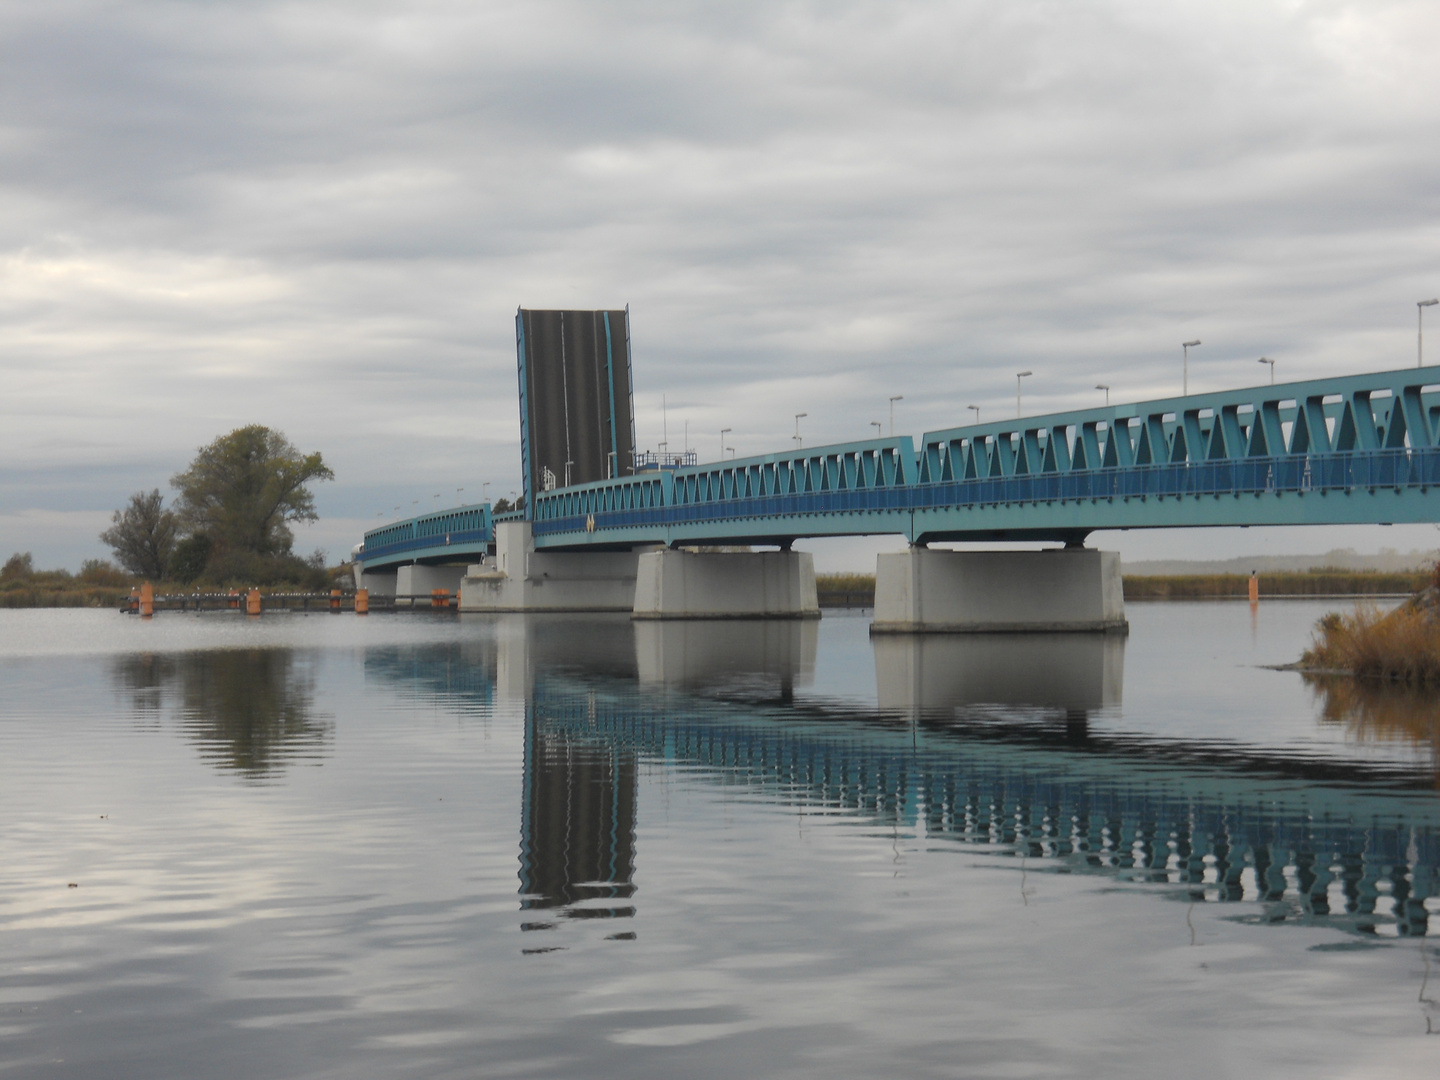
190,557
18,566
244,489
103,572
143,535
502,506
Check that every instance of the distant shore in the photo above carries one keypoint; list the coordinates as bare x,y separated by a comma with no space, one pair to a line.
858,590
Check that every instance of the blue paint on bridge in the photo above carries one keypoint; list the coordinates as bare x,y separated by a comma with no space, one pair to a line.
1349,450
447,536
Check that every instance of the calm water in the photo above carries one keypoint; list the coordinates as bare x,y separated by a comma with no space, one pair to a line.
430,846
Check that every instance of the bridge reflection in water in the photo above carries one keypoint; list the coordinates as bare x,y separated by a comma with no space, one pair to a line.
984,742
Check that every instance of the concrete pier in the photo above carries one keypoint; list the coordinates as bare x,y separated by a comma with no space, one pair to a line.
519,578
378,582
926,590
418,580
728,585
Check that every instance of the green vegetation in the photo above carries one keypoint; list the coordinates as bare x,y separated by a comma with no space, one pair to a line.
849,583
1400,646
231,523
99,584
1321,582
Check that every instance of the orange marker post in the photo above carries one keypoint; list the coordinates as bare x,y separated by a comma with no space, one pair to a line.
252,602
334,599
1254,587
234,599
439,598
147,599
362,601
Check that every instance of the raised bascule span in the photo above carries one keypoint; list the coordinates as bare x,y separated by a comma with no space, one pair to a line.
1356,449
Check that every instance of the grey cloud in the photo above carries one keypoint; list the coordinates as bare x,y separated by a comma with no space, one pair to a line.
322,216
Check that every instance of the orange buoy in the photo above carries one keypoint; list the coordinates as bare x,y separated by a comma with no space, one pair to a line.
147,599
362,601
252,602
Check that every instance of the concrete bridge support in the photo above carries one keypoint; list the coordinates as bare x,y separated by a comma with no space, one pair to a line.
728,585
419,580
379,582
519,578
931,590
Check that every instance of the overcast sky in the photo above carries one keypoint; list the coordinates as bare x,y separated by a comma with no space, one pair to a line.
321,216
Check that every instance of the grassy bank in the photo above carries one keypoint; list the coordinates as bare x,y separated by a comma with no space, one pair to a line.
1209,586
1399,646
1308,583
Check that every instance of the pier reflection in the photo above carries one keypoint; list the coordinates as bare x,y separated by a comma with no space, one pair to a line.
249,710
955,674
978,741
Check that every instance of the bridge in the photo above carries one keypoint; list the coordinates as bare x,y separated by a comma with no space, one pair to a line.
1343,450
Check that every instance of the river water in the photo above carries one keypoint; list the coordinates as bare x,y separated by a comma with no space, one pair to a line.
432,845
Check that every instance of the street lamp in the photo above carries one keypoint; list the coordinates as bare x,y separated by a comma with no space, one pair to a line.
1187,346
723,432
722,452
1267,360
1420,307
458,492
897,397
976,409
798,442
879,429
1018,376
1102,386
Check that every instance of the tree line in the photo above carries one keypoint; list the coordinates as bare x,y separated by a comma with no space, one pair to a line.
231,520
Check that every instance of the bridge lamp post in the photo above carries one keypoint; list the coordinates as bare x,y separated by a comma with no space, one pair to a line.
976,410
879,429
722,452
1018,376
723,432
897,397
1102,386
1267,360
798,442
1187,346
1420,307
458,492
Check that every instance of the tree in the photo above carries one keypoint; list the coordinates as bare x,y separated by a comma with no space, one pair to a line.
143,535
20,565
243,489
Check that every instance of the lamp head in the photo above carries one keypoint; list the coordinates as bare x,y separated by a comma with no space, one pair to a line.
1022,374
1188,344
1427,303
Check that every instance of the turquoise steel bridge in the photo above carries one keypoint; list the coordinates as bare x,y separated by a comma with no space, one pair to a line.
1347,450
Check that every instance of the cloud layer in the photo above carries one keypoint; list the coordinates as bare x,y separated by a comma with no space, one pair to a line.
322,216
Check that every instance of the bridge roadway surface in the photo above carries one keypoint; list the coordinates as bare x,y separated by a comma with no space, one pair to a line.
1356,449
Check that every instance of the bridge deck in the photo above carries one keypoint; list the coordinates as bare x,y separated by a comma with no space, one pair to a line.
1348,450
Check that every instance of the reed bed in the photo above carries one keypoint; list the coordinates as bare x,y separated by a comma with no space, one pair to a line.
1306,583
1399,646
